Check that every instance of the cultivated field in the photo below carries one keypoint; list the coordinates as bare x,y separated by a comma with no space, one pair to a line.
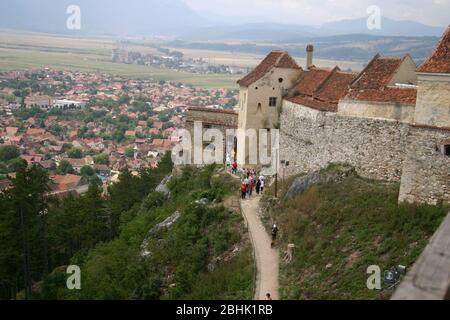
21,51
251,60
26,50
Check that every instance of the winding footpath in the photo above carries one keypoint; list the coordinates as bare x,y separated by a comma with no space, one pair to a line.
267,259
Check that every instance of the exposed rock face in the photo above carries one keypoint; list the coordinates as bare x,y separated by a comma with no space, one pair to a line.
303,183
163,188
166,224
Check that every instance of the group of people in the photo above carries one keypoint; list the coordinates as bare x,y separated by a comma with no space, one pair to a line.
250,183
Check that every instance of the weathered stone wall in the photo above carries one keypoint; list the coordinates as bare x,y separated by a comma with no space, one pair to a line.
426,169
378,149
312,140
378,110
433,100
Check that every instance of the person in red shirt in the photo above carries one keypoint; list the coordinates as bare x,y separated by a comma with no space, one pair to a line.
251,186
234,167
243,190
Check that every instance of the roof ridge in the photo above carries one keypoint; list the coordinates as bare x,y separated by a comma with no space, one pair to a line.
325,81
436,48
282,54
376,57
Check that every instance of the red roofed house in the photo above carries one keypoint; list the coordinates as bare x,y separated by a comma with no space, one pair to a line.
433,97
11,131
163,146
385,89
68,183
262,90
34,132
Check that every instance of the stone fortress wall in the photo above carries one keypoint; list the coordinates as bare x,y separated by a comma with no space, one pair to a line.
378,149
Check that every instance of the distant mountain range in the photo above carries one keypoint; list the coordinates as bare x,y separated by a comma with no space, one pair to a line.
131,17
352,47
174,17
289,32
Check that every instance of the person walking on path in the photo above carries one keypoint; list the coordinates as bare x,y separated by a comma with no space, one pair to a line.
243,190
258,186
251,186
234,168
247,183
274,234
262,186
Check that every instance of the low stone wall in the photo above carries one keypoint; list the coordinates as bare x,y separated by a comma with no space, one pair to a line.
426,169
312,140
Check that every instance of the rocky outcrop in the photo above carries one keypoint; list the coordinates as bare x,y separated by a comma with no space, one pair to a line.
163,188
166,224
303,183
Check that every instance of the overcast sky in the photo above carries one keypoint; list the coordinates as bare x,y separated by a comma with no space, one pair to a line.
431,12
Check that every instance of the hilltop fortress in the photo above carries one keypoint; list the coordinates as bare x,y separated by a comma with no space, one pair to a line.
391,121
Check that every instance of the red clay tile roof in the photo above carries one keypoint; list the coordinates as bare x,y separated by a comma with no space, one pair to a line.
310,81
212,110
67,182
387,94
34,132
439,61
321,89
335,87
372,83
314,103
275,59
165,144
377,73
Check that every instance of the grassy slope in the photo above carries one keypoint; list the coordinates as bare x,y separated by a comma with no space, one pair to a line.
178,265
350,225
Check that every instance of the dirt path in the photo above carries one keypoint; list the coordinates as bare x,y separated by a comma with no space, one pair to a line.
266,257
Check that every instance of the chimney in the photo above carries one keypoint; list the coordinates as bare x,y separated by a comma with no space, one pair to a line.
309,56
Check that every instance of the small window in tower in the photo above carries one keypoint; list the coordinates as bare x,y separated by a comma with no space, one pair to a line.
447,150
280,80
256,88
272,102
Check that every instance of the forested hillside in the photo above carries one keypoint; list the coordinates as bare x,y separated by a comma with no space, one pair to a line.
136,243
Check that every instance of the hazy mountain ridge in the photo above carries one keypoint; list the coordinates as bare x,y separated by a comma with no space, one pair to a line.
357,47
132,17
175,17
289,32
